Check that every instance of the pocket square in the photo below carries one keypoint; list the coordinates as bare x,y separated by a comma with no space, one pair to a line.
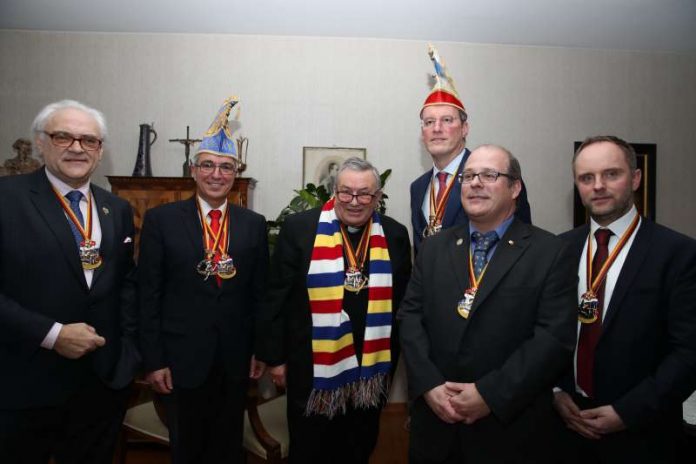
128,240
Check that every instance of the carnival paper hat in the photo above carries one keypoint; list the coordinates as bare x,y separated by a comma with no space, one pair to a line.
443,92
218,138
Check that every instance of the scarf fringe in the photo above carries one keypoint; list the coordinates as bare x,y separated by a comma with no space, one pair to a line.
364,394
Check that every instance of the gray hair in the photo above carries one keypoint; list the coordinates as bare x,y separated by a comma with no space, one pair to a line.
41,119
360,165
624,146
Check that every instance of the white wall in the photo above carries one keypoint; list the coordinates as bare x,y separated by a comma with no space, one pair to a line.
299,92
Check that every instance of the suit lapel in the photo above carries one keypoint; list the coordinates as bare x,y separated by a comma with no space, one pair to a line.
510,247
458,251
49,209
106,223
421,189
454,202
630,269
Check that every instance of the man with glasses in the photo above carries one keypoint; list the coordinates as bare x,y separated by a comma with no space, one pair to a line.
202,273
337,277
487,325
636,354
67,299
444,128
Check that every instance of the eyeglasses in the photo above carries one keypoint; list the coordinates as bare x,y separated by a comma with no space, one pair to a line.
64,140
446,121
208,167
486,177
347,197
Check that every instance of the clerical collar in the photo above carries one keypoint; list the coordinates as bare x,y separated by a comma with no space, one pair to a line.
354,230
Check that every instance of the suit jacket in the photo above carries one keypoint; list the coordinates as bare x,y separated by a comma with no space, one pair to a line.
517,340
454,212
42,282
645,359
286,332
186,320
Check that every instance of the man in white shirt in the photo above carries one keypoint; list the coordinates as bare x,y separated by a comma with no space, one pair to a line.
635,361
67,299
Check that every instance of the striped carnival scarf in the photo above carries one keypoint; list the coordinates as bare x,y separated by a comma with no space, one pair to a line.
338,379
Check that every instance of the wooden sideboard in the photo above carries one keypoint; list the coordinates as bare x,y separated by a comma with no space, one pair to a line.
144,193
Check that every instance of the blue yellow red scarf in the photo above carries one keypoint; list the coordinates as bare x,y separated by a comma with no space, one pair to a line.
338,379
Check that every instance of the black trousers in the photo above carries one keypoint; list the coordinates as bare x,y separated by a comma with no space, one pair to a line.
345,439
81,431
206,423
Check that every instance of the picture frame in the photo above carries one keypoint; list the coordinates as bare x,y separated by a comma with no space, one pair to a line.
320,164
644,197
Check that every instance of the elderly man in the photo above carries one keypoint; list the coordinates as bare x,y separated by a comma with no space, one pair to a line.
444,128
487,325
202,273
67,309
337,278
636,354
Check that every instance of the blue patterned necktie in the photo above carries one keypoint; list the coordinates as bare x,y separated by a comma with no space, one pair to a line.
483,243
74,197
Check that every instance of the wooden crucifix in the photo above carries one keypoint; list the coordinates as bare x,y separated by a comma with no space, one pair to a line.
188,141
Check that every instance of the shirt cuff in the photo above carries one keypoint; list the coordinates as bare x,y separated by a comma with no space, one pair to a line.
52,336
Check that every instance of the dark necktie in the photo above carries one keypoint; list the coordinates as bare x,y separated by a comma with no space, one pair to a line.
590,333
483,243
74,197
215,215
442,185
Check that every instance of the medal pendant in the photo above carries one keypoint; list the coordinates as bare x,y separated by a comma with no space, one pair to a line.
431,229
206,267
588,309
226,268
355,280
89,255
465,304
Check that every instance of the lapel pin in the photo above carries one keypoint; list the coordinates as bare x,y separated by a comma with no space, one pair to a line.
460,241
511,242
105,210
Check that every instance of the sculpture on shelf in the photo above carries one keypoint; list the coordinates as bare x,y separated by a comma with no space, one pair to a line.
143,168
22,163
242,147
187,142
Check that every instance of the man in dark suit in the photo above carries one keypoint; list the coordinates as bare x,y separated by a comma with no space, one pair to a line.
202,273
487,326
444,128
337,277
636,356
67,299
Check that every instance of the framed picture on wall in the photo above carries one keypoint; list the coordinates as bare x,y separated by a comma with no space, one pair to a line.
644,197
320,164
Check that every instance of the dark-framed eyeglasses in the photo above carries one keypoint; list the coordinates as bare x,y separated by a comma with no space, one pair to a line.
347,197
65,139
486,177
208,167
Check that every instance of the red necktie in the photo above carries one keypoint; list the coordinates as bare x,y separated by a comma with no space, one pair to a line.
442,185
215,215
590,333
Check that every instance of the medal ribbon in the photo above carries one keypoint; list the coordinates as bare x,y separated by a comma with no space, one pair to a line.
437,212
86,231
472,275
219,240
351,255
601,275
